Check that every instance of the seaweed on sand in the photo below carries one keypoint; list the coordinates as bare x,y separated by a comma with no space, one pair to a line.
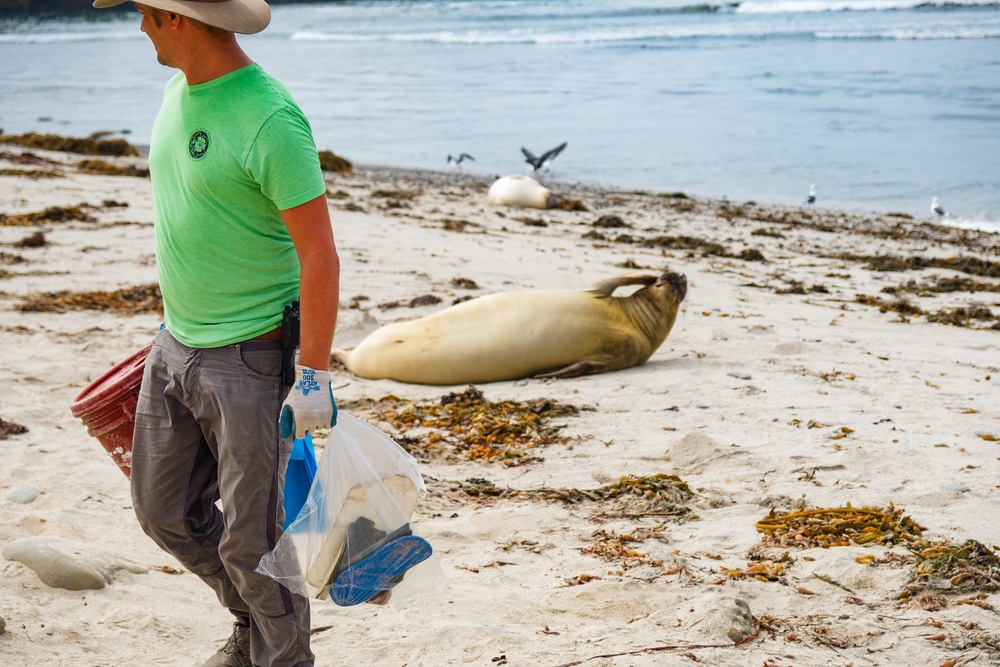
970,566
839,527
505,432
126,301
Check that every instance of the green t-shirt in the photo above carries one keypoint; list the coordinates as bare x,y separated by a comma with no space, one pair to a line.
226,157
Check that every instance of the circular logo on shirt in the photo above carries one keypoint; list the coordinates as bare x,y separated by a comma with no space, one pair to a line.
198,144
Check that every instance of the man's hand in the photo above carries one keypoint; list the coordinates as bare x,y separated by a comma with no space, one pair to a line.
309,405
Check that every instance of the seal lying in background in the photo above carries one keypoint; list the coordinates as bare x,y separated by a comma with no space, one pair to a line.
526,333
520,190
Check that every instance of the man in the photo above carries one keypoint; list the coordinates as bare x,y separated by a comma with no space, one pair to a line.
242,230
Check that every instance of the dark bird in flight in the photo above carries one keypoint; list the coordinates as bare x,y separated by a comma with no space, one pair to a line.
541,161
936,207
811,197
461,157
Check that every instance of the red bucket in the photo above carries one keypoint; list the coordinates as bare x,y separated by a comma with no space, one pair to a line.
107,408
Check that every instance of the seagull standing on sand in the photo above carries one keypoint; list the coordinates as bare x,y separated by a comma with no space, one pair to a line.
811,197
542,161
936,208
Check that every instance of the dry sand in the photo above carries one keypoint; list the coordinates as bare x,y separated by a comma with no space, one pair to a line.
777,389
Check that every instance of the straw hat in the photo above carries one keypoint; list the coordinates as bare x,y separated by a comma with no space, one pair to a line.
242,16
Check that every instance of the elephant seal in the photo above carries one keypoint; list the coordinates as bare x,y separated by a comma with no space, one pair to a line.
518,190
525,333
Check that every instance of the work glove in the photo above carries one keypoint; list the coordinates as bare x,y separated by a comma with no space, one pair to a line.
309,405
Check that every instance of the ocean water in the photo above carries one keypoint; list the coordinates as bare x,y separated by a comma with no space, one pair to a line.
881,104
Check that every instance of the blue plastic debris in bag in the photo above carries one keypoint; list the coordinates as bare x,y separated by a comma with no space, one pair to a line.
299,477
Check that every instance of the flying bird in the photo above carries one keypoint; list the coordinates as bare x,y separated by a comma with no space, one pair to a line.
811,197
461,157
540,162
936,207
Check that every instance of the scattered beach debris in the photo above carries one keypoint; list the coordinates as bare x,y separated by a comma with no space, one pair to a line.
505,432
10,428
839,527
415,302
959,316
126,301
761,570
658,495
622,549
84,146
974,266
941,285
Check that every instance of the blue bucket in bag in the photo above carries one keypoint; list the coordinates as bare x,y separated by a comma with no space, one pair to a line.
299,477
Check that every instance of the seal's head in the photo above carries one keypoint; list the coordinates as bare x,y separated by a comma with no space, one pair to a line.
243,16
677,282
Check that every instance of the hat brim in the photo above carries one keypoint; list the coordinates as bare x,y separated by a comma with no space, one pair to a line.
243,16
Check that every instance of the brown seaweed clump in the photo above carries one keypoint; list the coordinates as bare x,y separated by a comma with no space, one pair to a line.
329,161
83,146
970,566
128,301
105,168
839,527
505,432
10,428
973,266
659,495
51,214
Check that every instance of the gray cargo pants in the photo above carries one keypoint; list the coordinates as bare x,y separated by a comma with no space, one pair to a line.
206,428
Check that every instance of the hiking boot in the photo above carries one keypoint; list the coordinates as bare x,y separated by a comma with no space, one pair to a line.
236,652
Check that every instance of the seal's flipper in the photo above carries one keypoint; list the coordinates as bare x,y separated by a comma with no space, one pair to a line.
578,369
606,287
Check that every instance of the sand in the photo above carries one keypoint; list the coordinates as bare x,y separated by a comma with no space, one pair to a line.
778,389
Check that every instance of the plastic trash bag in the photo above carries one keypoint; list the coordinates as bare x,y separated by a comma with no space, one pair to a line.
352,539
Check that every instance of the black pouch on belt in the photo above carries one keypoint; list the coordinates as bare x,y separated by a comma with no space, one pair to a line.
289,342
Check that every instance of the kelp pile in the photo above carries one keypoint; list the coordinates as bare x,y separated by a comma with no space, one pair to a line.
505,432
839,527
659,495
958,567
83,146
105,168
329,161
973,266
128,301
943,285
78,213
959,316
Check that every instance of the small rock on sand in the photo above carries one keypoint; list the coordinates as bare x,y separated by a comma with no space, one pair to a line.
53,567
24,495
728,618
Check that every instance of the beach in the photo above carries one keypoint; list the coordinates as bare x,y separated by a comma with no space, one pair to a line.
823,362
